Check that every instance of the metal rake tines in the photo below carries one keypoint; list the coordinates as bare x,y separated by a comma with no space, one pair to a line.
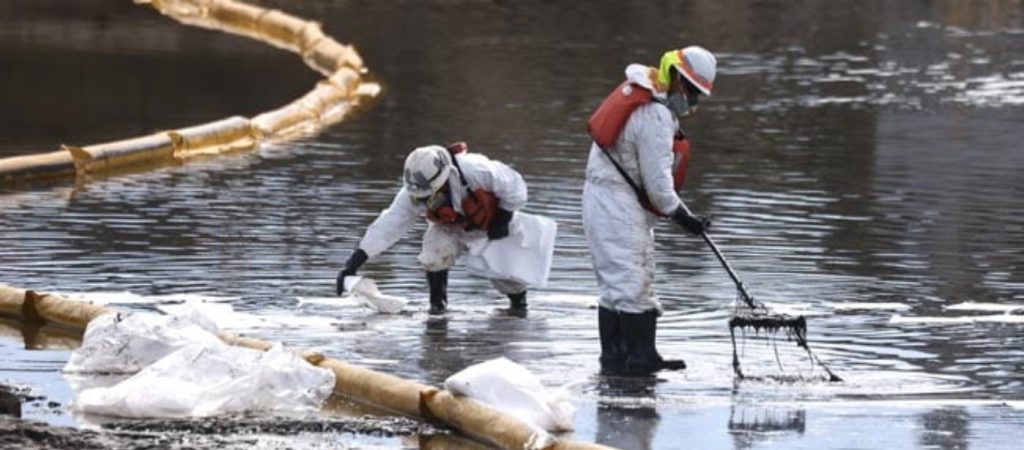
751,314
768,327
794,328
771,328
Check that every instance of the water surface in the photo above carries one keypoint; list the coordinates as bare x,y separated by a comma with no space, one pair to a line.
861,161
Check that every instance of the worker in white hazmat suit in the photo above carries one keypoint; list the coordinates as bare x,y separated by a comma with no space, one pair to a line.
465,197
636,166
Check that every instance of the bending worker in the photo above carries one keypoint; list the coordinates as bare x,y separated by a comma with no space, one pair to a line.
467,199
636,166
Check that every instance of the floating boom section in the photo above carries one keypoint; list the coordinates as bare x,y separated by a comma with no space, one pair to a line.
397,395
343,88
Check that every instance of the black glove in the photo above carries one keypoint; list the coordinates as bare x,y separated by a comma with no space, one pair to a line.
499,224
351,266
696,225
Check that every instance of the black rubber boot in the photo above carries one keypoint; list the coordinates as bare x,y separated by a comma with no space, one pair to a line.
517,303
642,357
613,345
438,282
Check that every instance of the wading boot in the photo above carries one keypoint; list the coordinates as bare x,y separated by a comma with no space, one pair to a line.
613,345
517,304
438,283
642,357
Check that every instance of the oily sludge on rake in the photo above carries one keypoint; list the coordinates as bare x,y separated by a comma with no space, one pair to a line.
752,319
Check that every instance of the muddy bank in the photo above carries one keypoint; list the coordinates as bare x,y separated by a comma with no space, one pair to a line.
245,431
13,397
30,435
245,425
10,403
215,433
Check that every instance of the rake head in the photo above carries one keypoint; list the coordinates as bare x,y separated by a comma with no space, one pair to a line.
793,328
753,320
752,315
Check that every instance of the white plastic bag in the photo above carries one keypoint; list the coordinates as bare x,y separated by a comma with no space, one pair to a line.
126,343
365,291
204,379
525,255
512,389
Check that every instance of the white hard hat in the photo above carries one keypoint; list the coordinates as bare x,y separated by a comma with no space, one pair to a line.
426,170
698,65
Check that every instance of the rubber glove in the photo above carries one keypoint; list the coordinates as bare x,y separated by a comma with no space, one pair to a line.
351,266
499,224
696,225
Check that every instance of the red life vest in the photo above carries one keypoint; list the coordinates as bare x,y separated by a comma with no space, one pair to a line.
681,160
478,206
610,118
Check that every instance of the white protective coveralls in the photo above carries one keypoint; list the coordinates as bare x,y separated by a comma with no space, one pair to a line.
619,231
442,243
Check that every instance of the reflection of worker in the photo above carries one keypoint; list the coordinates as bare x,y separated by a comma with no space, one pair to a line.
445,339
633,424
465,197
636,166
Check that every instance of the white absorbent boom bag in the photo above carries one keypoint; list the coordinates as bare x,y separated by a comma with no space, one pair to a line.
524,255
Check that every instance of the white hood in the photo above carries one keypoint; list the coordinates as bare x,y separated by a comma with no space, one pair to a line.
640,75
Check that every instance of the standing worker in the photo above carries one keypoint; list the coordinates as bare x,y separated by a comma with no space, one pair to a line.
637,165
471,204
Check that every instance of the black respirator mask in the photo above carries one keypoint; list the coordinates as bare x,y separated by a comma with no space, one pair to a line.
683,103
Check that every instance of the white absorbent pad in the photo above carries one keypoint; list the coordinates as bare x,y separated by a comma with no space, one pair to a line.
525,255
205,379
365,291
126,343
512,389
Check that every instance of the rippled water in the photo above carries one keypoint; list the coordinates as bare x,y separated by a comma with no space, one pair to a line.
861,160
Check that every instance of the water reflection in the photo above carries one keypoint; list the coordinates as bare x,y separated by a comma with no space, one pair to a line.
749,424
449,344
633,425
945,428
39,337
447,442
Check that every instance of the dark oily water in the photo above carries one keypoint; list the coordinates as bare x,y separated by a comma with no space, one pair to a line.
861,161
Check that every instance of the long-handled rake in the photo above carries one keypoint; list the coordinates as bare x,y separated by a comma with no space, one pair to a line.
755,316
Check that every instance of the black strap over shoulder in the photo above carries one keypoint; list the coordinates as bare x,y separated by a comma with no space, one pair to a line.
641,193
462,177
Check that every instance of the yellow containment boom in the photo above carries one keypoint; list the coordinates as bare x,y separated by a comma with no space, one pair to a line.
359,384
329,102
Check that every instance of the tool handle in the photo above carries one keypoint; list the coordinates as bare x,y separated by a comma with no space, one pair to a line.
732,274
